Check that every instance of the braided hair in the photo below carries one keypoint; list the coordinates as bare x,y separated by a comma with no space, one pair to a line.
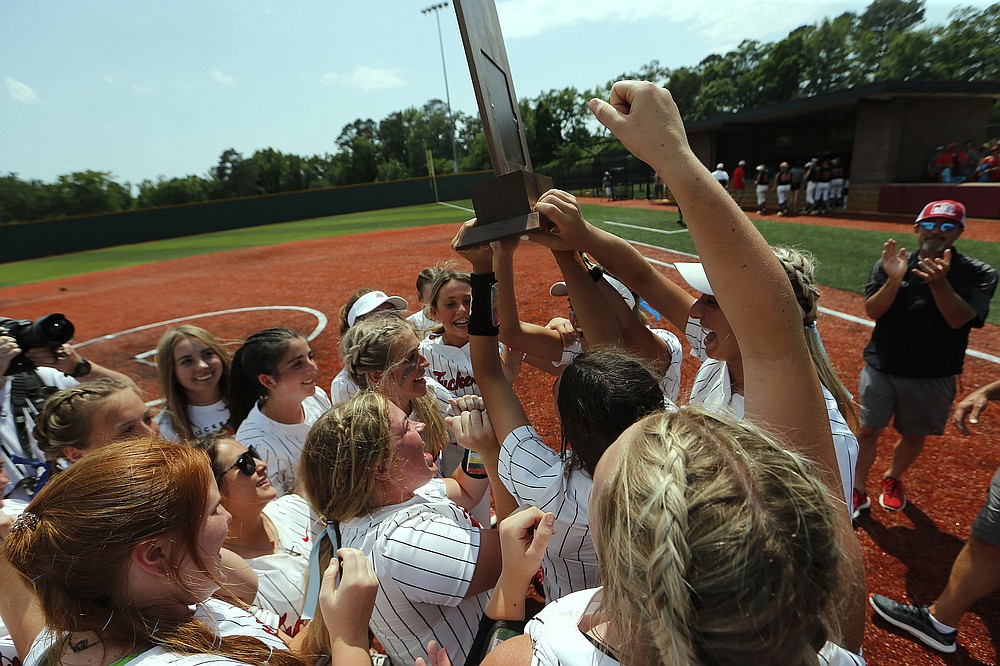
373,345
67,415
800,266
717,545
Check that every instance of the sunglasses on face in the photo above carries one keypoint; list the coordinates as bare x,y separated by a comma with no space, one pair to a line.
246,463
931,225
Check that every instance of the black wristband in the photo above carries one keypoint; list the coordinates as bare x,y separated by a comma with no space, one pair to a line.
482,320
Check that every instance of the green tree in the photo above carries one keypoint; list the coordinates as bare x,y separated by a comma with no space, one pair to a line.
877,29
166,191
22,200
84,192
234,176
968,48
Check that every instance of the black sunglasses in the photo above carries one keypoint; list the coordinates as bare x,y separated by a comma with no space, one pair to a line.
246,463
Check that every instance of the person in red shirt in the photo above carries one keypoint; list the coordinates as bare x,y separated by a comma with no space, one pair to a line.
739,182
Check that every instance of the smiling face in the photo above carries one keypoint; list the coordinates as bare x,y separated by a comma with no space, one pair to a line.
198,370
934,242
239,490
452,307
406,381
295,376
720,343
410,466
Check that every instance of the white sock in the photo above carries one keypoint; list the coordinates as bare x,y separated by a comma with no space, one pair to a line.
943,628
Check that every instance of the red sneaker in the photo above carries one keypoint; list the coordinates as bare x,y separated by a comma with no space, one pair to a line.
861,502
892,498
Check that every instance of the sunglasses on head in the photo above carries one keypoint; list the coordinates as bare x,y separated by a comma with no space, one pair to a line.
931,225
246,463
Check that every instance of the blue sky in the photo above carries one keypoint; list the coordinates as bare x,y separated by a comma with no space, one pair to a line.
143,89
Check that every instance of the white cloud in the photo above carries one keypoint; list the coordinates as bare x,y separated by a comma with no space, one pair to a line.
21,92
141,89
222,78
366,78
721,23
374,78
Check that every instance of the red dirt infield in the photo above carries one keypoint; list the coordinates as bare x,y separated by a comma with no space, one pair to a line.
908,554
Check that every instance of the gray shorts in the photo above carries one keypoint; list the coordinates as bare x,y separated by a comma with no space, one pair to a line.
921,405
987,525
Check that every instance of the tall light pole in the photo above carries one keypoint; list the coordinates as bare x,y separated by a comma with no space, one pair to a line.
451,119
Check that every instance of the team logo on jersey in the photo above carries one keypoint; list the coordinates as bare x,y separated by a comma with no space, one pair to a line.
459,381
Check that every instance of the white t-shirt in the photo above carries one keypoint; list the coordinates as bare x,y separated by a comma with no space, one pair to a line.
556,637
10,444
536,474
221,618
205,420
424,552
712,388
280,444
282,575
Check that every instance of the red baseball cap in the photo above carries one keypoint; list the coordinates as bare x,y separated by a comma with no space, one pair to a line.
944,209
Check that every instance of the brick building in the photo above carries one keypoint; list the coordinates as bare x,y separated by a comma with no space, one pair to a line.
884,132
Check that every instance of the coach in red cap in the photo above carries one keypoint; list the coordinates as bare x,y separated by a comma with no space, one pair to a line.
924,304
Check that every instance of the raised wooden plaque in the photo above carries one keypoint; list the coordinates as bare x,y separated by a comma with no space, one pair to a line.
503,204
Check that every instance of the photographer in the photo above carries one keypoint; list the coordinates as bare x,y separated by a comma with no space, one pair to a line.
35,373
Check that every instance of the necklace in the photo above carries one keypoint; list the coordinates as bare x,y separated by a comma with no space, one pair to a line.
261,549
83,644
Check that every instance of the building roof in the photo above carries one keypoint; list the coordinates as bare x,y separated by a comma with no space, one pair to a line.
844,101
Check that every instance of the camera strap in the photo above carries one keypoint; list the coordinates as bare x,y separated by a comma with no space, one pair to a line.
27,391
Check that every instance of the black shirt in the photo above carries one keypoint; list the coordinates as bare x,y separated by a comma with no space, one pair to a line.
912,339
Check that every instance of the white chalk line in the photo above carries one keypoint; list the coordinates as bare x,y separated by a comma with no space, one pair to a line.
321,323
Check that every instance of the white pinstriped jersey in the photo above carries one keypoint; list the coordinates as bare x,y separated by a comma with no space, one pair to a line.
280,444
221,618
556,637
450,366
424,552
712,389
282,575
536,474
670,383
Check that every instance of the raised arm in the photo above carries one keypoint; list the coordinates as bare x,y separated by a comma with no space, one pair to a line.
538,341
894,267
782,390
502,404
617,255
748,281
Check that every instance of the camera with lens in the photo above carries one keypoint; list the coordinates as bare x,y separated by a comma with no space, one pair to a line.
50,331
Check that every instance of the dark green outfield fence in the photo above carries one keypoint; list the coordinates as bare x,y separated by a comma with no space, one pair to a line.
42,239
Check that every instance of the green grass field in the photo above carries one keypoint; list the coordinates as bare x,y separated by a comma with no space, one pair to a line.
845,255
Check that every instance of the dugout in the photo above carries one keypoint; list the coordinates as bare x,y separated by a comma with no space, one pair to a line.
884,132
